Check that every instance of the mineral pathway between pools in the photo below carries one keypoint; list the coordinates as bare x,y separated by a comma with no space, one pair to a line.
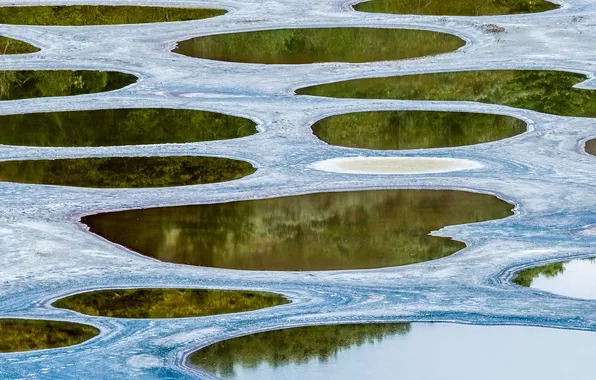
46,254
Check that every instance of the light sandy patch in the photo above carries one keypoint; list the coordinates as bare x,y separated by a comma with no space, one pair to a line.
395,165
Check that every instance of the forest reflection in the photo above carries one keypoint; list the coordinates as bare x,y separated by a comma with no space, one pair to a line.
12,46
526,276
415,129
122,172
297,46
326,231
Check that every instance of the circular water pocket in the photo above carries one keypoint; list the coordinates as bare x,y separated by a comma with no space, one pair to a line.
167,303
122,172
591,147
121,127
398,130
23,84
296,46
79,15
326,231
11,46
402,351
30,334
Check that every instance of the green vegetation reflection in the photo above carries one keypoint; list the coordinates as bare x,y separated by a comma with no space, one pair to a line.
526,276
27,334
11,46
290,346
543,91
120,127
167,303
456,7
24,84
119,172
296,46
591,147
326,231
79,15
415,129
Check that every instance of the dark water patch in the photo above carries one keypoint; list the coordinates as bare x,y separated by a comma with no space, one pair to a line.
326,231
12,46
591,147
28,334
122,172
415,129
543,91
296,46
23,84
80,15
456,7
167,303
121,127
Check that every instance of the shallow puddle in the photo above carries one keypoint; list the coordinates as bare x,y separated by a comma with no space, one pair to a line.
347,230
79,15
24,84
120,127
11,46
456,7
120,172
296,46
575,278
543,91
591,147
28,334
402,351
167,303
415,129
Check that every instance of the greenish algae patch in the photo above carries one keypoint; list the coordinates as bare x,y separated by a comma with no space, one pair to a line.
456,7
12,46
26,334
298,46
387,130
80,15
167,303
543,91
124,172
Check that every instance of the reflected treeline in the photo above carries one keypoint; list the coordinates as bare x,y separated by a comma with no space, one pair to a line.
78,15
118,172
120,127
526,276
348,230
27,334
167,303
415,129
456,7
12,46
295,46
24,84
543,91
591,147
290,346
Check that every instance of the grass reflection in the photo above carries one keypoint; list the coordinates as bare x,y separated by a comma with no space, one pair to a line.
296,46
456,7
121,172
167,303
543,91
11,46
415,129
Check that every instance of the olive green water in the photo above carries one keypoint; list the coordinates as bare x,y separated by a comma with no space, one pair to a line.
167,303
542,91
78,15
591,147
121,172
347,230
415,129
11,46
27,334
120,127
456,7
24,84
296,46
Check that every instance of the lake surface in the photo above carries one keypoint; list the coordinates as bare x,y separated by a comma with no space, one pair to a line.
543,91
591,147
28,334
574,278
22,84
297,46
325,231
78,15
12,46
120,172
415,129
456,7
403,351
167,303
121,127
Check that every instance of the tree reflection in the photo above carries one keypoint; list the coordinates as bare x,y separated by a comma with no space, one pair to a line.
26,334
526,276
456,7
